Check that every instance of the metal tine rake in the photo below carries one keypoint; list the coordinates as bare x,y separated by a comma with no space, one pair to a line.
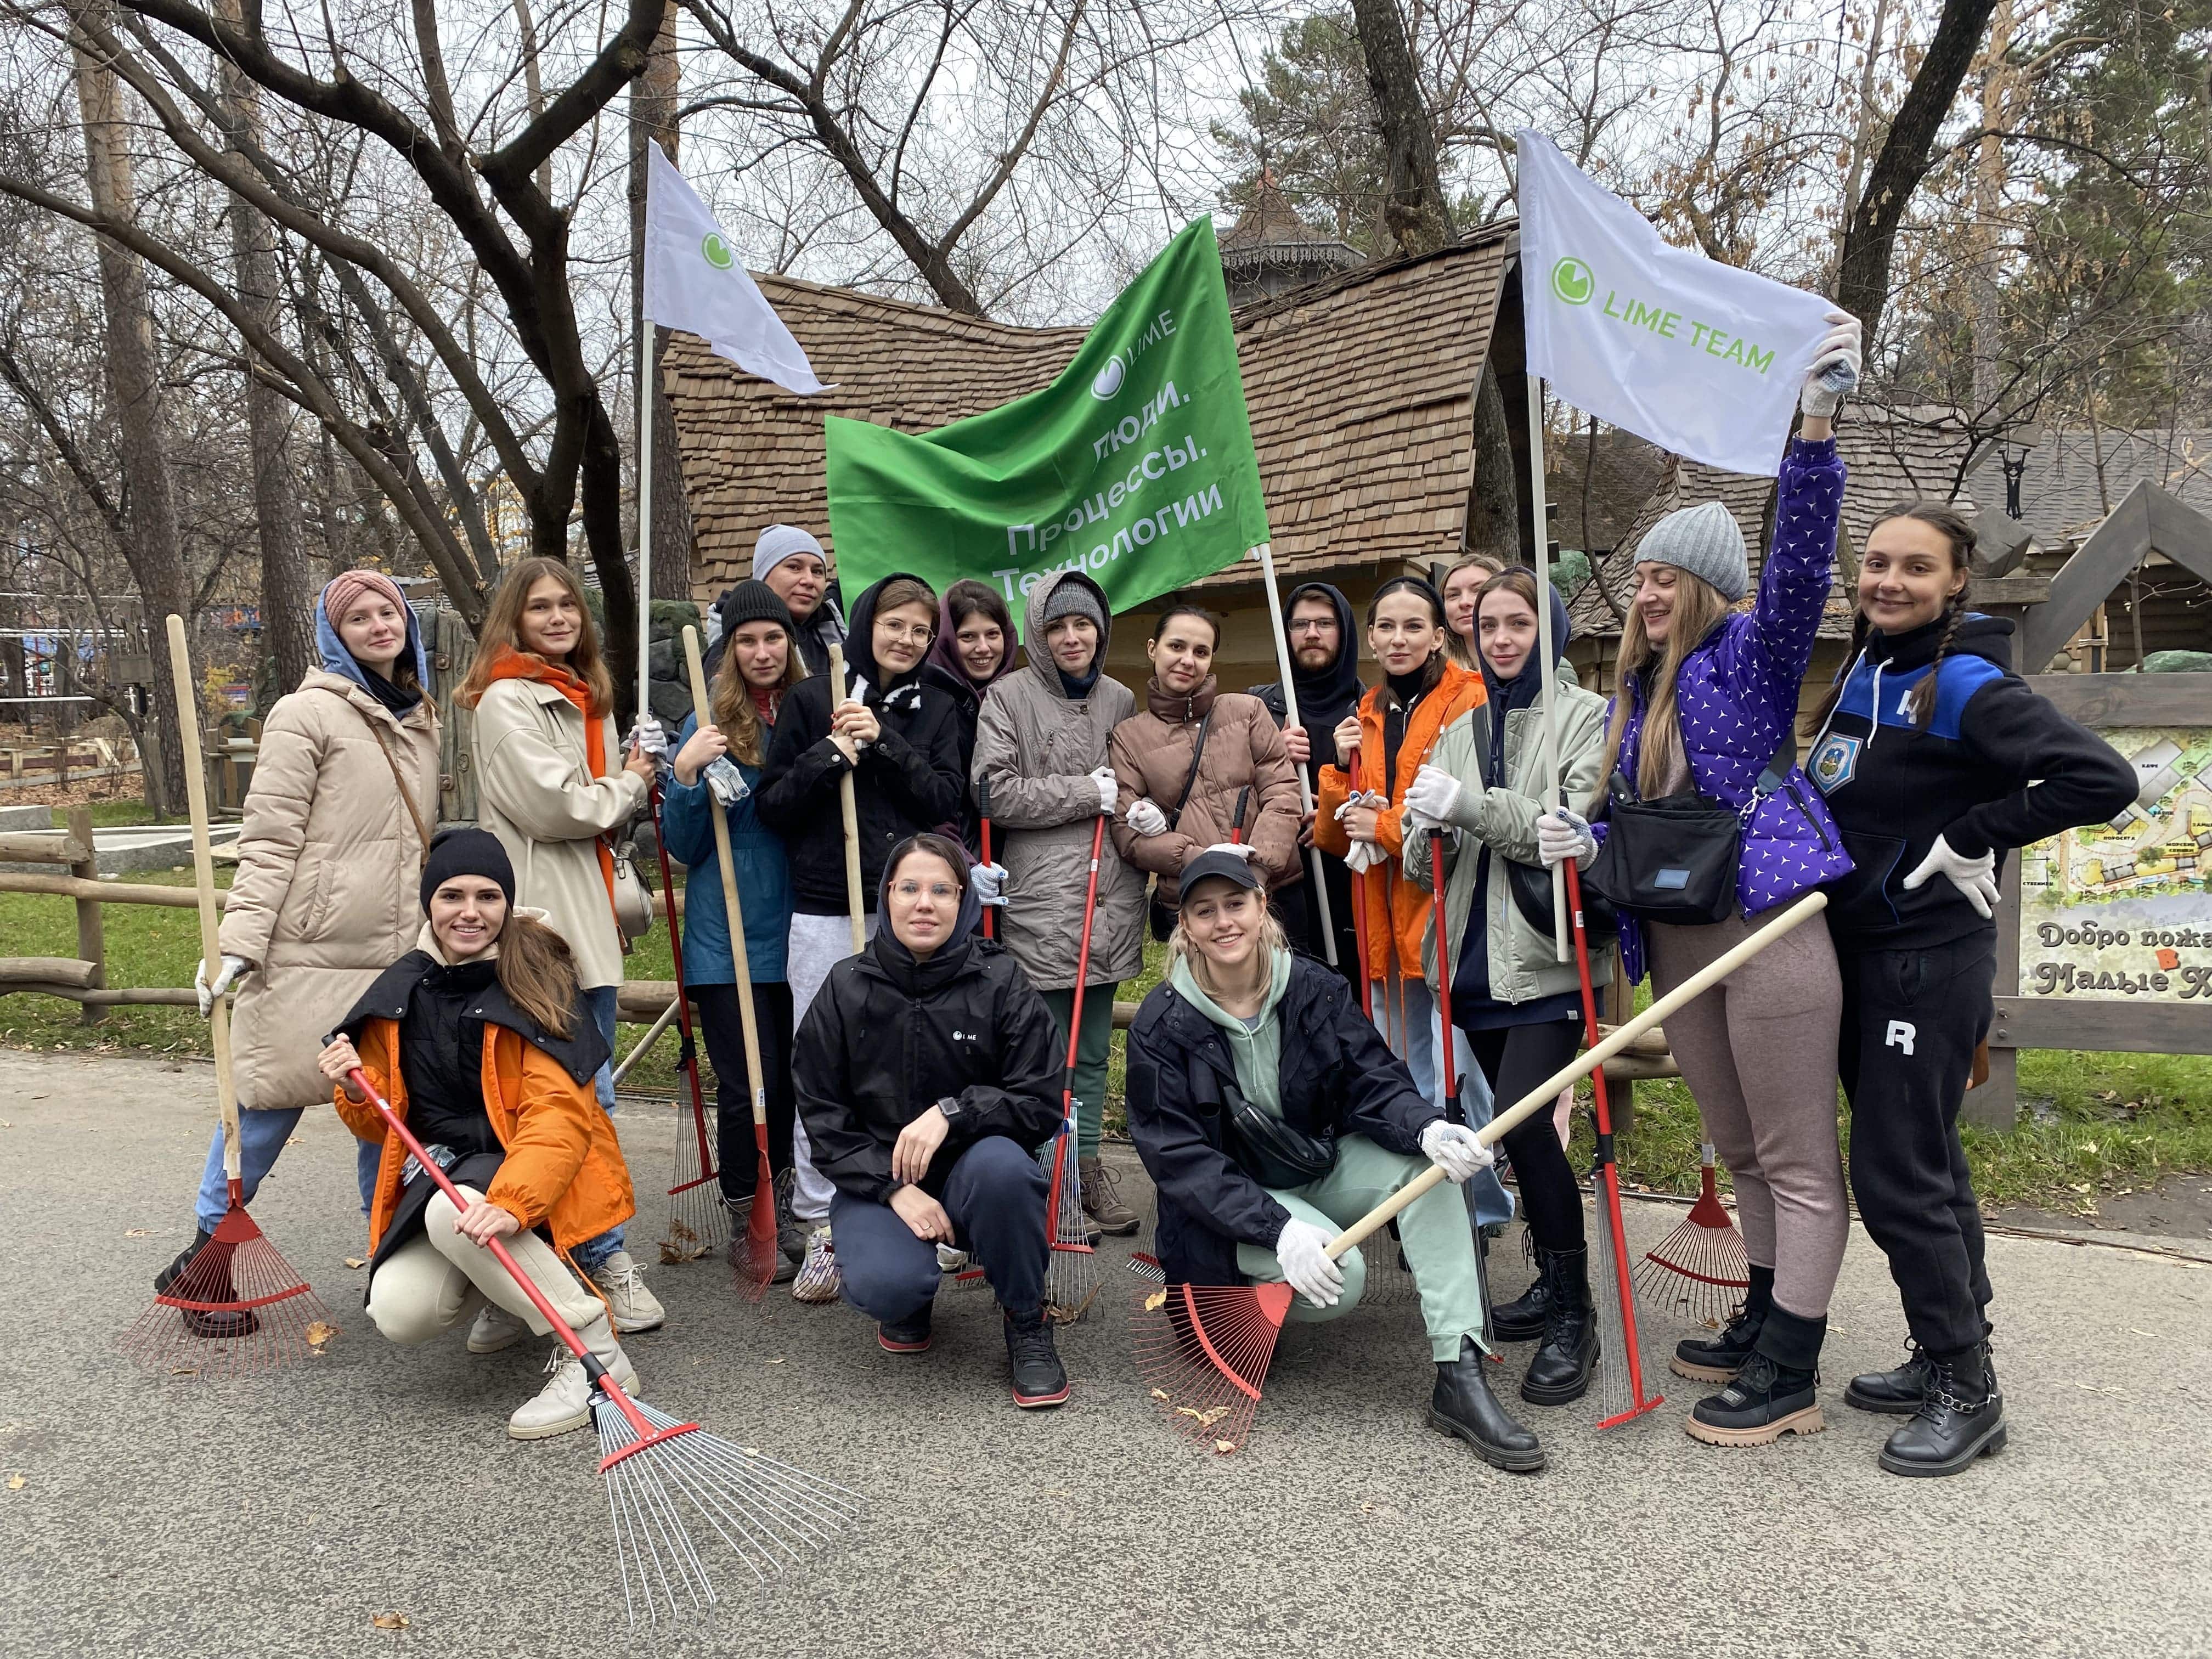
1203,1350
665,1473
698,1221
1700,1271
1072,1269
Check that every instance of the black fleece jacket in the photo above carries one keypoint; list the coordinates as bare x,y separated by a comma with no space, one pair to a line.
1996,768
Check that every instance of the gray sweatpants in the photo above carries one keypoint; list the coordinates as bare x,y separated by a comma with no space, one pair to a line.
1759,1052
813,946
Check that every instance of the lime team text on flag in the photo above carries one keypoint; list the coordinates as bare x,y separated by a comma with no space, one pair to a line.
1703,359
1135,466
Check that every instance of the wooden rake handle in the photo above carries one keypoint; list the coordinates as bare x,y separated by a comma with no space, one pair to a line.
732,907
855,905
1589,1060
188,739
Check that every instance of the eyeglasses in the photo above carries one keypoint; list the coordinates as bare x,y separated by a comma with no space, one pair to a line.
940,892
1313,625
919,633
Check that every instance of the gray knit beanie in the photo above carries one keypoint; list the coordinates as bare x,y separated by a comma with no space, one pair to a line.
780,541
1707,542
1074,599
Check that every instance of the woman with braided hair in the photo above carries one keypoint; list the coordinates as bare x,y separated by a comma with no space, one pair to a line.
1935,759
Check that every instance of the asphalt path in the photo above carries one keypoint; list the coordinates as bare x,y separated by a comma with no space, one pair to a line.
157,1515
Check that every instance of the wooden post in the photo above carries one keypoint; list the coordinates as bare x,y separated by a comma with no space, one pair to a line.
91,931
1994,1103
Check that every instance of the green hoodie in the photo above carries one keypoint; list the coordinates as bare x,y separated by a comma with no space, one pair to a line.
1256,1050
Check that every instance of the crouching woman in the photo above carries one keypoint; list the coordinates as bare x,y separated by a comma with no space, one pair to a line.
1251,1068
928,1074
482,1042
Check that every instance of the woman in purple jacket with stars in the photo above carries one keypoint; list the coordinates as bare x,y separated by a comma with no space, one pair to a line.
1708,697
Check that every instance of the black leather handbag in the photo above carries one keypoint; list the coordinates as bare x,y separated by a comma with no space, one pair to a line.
1269,1149
1530,885
1675,859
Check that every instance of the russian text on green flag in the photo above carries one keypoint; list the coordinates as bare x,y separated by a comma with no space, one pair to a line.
1135,466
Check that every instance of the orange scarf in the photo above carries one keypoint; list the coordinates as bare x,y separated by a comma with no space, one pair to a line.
513,665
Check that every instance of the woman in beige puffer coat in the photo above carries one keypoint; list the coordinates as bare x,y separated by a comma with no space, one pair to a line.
1040,769
344,791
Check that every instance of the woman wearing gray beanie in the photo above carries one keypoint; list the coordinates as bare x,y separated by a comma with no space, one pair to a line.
1707,702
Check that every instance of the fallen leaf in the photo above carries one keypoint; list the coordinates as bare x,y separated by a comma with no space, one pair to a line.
184,1370
1161,1393
138,1232
16,1483
320,1331
295,1141
1156,1301
390,1621
1225,1447
1205,1420
356,1262
41,1097
776,1362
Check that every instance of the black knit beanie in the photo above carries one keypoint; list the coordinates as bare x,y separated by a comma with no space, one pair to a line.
752,601
467,851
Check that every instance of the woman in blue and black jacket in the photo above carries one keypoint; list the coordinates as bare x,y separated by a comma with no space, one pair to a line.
759,664
1935,761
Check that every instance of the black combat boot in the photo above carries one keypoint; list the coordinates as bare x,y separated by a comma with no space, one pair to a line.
1463,1405
1773,1393
1560,1370
1522,1320
1960,1418
1894,1393
1716,1358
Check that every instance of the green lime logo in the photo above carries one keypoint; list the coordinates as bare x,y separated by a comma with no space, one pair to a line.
1572,284
718,251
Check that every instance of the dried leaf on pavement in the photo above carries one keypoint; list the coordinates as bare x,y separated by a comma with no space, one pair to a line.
1156,1301
320,1331
16,1483
390,1621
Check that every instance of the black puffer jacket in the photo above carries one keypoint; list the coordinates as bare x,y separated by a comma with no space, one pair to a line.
910,780
1337,1074
887,1037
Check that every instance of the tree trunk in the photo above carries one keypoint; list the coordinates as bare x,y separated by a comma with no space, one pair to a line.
1863,287
289,586
134,386
1989,207
1493,506
1417,213
653,104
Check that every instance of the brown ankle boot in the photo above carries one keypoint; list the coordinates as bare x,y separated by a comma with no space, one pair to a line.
1102,1201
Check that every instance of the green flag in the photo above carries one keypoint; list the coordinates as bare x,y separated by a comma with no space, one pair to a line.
1134,466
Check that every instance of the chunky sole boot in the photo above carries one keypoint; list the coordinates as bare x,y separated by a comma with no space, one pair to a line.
1762,1404
1960,1419
1914,1458
1462,1406
1560,1371
1522,1320
1892,1393
1101,1199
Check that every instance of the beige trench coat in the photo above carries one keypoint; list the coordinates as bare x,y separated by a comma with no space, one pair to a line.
329,860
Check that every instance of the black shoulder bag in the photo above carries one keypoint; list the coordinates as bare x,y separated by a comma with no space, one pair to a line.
1675,859
1159,912
1274,1152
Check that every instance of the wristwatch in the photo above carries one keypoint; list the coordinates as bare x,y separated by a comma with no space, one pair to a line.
950,1108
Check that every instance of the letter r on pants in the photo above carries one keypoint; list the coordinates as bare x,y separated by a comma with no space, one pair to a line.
1900,1035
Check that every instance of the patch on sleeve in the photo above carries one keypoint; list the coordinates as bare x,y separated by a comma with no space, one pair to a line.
1834,762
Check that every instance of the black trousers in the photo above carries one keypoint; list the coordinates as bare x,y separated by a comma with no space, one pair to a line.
1514,1059
1911,1021
994,1195
722,1026
1301,916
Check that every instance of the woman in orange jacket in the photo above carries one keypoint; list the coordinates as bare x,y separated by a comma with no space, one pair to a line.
1394,731
482,1042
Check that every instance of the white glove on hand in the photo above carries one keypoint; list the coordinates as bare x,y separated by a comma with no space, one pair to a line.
648,736
1453,1148
728,783
1109,787
1434,795
1975,878
989,881
1239,849
1561,834
1146,818
1364,856
225,978
1303,1251
1838,359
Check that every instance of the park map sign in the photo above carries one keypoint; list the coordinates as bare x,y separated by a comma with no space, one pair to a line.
2123,910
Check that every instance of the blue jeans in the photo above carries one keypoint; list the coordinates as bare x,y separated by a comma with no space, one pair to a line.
994,1195
1417,1044
593,1253
261,1137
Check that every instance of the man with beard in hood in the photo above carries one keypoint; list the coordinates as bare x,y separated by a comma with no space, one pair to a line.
1324,671
928,1071
899,739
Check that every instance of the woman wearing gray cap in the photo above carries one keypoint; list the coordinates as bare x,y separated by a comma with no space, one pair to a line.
792,562
1707,702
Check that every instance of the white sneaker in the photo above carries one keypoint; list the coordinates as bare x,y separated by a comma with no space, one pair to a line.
564,1404
496,1329
819,1276
950,1262
633,1307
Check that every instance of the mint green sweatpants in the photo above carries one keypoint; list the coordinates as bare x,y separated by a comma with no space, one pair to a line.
1438,1243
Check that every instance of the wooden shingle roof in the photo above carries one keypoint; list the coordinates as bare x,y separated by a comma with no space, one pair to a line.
1361,389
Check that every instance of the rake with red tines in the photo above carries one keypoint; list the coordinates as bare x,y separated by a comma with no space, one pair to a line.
754,1253
234,1306
1700,1269
669,1483
1071,1270
1203,1350
698,1221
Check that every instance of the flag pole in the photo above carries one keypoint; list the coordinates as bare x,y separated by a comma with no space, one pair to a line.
645,331
1545,649
1266,552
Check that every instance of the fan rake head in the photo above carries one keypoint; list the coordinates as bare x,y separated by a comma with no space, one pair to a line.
757,1251
698,1221
237,1308
1203,1350
1700,1271
1070,1279
673,1488
1617,1387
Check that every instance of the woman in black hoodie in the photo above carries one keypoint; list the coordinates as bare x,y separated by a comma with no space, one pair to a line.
1935,760
899,739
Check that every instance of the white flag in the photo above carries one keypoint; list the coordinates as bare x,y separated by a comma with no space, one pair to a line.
695,281
1703,359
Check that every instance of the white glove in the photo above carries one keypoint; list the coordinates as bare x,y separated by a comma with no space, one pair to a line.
1975,878
989,881
1364,856
1302,1250
1836,366
225,977
1434,795
1242,850
1146,818
1359,798
1453,1148
647,735
1109,787
1561,834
